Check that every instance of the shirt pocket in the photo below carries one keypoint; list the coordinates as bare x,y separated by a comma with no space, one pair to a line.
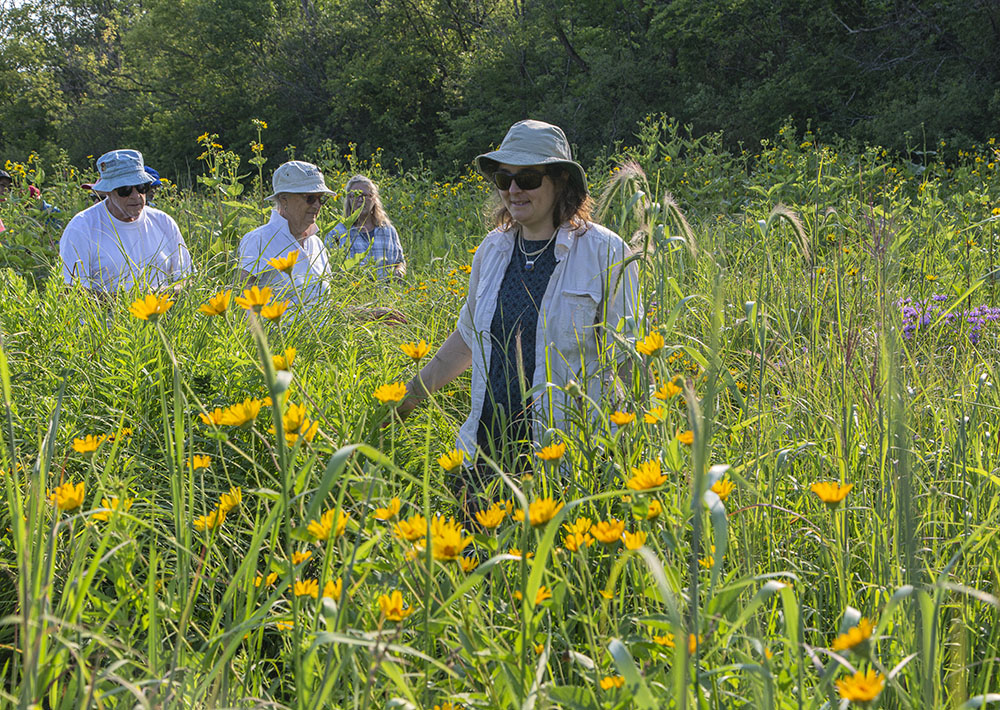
575,317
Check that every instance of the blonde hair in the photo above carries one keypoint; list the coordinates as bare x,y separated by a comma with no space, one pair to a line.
379,216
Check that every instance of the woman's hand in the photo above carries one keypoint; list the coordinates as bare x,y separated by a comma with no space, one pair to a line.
452,359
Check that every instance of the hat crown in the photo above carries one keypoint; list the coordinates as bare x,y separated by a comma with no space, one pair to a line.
119,168
298,176
539,138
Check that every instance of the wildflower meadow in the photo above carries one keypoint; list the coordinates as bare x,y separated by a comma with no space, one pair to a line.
793,501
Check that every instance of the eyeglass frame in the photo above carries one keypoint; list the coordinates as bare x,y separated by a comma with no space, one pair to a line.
503,176
142,189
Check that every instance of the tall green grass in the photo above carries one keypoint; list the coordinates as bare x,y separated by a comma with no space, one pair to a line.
774,277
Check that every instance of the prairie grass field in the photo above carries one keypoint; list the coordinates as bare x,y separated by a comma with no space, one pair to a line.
814,313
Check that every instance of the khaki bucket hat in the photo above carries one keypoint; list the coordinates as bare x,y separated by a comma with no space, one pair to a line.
300,177
533,143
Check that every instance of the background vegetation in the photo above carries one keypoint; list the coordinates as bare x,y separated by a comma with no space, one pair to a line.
830,315
433,81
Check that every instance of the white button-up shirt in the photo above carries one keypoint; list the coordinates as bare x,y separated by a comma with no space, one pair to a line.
585,298
307,282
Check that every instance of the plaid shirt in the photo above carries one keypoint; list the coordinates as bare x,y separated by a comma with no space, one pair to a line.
380,246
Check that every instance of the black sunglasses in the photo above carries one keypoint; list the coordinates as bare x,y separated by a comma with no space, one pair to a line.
141,189
526,179
313,199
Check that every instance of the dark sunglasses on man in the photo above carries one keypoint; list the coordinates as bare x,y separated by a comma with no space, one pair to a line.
526,179
126,190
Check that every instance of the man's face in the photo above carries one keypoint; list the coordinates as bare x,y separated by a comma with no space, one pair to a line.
5,184
126,203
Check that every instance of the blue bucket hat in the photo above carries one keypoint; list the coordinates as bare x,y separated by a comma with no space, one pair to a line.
119,168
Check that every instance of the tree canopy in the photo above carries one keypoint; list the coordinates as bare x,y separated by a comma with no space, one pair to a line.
439,80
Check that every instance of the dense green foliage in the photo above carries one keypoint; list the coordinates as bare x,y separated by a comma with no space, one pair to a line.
775,281
440,79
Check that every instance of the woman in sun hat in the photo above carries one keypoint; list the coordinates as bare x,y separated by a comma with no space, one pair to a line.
546,287
299,193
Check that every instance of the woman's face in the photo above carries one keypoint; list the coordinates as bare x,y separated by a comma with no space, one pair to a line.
531,208
360,197
301,209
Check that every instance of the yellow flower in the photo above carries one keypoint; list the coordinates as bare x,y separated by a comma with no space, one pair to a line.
266,581
686,437
416,350
612,681
390,511
722,488
579,527
212,418
213,520
230,500
831,493
68,496
491,517
648,475
393,392
447,541
253,299
285,263
306,588
113,505
333,589
861,688
574,541
665,640
299,557
284,362
654,510
608,531
542,511
451,460
87,444
708,560
621,418
855,637
326,526
468,563
241,413
274,311
198,462
693,643
651,344
931,277
552,452
668,391
392,606
516,552
633,541
296,424
653,416
151,307
413,528
217,304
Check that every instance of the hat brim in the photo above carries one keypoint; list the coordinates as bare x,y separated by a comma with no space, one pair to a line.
139,177
510,157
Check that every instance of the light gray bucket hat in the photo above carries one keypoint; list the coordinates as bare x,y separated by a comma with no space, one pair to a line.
120,168
534,143
300,177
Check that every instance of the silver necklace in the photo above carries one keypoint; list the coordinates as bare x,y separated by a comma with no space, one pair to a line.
530,257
